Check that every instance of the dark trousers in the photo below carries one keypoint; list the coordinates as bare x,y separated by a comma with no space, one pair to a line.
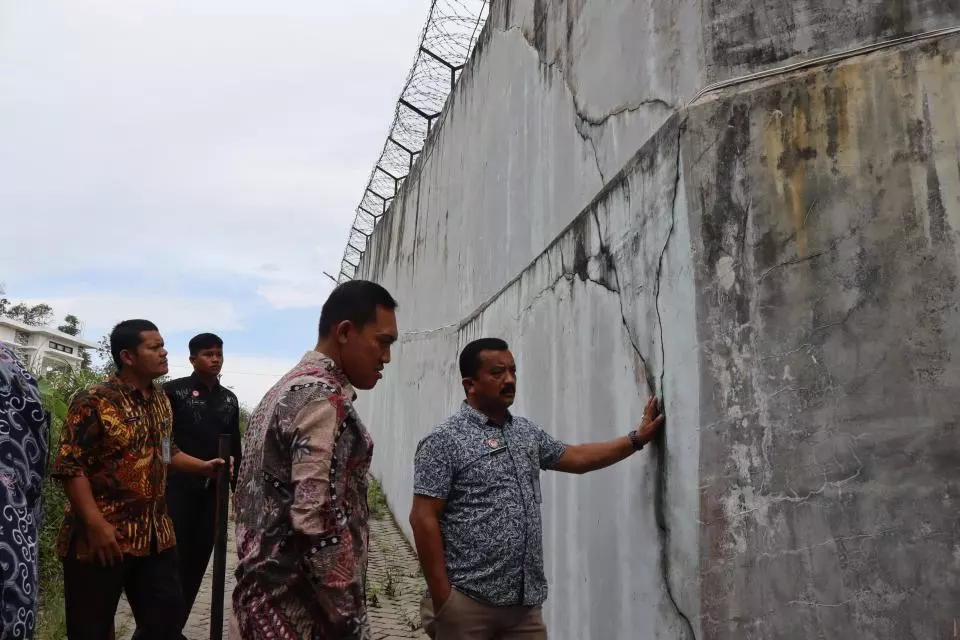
193,510
152,584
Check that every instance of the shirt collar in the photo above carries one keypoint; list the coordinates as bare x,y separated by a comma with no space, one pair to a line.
478,418
198,382
315,360
132,391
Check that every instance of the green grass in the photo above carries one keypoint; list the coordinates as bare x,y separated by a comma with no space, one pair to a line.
51,618
376,500
373,595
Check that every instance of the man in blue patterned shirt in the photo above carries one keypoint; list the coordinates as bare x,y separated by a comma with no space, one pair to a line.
23,455
476,505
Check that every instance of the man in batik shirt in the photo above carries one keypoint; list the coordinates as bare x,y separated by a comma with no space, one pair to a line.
23,455
116,535
301,500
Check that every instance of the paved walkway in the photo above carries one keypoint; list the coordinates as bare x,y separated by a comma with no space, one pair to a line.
394,583
394,586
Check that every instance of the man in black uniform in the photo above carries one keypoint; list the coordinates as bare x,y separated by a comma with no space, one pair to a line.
203,409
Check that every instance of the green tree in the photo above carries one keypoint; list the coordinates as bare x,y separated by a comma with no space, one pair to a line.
70,326
245,415
4,303
36,315
106,368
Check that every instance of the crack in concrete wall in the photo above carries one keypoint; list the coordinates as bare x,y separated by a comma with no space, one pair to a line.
660,491
649,381
634,342
585,121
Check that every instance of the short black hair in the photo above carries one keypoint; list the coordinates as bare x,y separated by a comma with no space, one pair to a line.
470,356
204,341
356,301
126,336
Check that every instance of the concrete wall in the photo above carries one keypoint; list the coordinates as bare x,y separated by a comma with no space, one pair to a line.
779,261
828,244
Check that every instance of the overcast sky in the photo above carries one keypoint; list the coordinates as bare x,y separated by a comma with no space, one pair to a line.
193,163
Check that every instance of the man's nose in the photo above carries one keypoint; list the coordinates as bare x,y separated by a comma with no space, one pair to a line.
385,358
511,378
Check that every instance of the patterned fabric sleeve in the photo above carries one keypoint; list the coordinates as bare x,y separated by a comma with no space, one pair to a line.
81,431
23,453
312,436
550,448
23,433
317,512
433,467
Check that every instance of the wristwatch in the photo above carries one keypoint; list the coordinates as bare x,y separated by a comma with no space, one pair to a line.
635,440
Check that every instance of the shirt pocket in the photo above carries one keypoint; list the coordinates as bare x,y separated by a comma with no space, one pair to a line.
124,433
483,464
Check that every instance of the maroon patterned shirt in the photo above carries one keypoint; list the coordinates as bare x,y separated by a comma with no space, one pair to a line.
301,510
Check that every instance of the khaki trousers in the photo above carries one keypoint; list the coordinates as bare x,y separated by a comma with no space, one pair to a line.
463,618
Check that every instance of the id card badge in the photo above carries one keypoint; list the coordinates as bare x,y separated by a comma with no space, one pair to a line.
165,449
536,486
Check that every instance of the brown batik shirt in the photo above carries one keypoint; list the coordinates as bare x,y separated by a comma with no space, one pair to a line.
301,510
114,436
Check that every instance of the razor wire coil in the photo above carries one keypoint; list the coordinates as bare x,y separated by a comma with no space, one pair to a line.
446,42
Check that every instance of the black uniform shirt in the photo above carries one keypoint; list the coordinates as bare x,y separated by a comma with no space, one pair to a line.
200,416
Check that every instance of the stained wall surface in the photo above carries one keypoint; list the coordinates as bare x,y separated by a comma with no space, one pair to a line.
828,243
778,260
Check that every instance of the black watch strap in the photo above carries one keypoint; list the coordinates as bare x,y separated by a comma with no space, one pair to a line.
635,440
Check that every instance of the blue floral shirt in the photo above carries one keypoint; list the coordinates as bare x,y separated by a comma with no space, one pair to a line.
491,526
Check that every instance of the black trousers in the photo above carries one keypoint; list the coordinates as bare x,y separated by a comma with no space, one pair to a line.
194,512
152,584
192,505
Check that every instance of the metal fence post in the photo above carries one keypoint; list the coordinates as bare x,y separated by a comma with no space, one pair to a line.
220,546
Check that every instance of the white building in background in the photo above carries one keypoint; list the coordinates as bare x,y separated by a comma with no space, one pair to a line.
43,348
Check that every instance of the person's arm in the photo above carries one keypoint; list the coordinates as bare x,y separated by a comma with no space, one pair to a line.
317,517
425,520
185,463
101,535
583,458
433,475
79,440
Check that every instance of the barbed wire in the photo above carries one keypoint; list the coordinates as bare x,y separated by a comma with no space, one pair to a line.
446,42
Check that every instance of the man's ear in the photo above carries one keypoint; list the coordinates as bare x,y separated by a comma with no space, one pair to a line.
127,357
342,331
467,385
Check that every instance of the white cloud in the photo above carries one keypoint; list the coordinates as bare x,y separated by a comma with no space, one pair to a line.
286,295
183,141
248,376
100,311
214,136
